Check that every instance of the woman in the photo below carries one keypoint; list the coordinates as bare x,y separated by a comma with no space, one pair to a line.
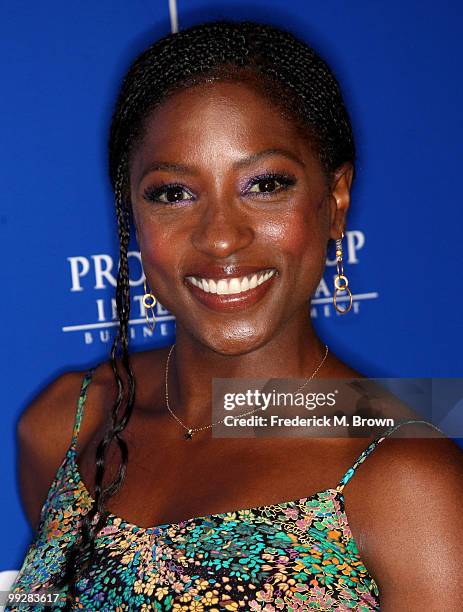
231,153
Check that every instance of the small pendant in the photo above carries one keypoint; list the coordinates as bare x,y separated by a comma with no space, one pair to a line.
189,434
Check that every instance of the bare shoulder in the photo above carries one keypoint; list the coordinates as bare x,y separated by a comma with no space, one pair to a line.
44,432
52,412
404,509
44,429
45,426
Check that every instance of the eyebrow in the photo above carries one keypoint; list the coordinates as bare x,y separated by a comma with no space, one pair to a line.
241,163
267,153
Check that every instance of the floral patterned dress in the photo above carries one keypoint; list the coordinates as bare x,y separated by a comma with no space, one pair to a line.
293,556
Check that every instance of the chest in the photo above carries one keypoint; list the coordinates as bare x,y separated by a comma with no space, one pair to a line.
278,551
169,478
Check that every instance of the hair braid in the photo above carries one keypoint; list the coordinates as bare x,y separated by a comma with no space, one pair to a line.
82,552
292,77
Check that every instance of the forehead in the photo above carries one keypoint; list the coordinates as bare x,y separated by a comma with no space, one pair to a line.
226,113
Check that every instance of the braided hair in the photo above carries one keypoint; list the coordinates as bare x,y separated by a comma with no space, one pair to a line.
293,78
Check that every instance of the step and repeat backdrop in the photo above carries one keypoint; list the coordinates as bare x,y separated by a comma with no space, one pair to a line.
397,63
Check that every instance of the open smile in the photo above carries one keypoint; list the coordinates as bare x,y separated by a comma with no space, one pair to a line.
231,293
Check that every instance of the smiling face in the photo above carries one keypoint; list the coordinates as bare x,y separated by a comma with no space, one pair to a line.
232,214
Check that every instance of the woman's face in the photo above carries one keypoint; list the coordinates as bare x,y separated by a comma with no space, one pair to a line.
223,187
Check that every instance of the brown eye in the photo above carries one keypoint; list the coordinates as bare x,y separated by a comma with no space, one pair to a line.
169,194
267,184
270,183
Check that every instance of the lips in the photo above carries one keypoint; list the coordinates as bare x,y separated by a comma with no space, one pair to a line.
240,287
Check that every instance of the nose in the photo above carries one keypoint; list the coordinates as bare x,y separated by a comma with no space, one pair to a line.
222,230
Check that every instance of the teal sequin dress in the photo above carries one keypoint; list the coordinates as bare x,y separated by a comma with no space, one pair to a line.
292,556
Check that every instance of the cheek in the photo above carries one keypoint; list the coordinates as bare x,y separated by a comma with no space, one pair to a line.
298,234
156,250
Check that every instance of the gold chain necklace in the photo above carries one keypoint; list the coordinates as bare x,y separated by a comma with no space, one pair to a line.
191,430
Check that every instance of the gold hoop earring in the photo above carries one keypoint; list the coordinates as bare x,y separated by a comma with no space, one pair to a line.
149,301
340,281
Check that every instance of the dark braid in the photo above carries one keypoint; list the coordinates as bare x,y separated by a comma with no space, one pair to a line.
293,78
82,552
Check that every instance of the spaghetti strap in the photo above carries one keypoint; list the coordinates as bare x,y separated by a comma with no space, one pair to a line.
80,405
350,472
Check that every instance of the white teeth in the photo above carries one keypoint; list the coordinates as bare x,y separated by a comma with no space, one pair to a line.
232,285
222,287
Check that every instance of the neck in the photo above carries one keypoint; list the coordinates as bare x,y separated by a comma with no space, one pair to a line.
293,353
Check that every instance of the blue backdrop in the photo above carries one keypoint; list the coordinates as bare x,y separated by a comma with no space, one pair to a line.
398,66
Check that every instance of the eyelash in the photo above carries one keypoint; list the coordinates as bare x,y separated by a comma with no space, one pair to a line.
152,194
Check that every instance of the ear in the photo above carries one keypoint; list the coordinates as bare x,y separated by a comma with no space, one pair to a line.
340,199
